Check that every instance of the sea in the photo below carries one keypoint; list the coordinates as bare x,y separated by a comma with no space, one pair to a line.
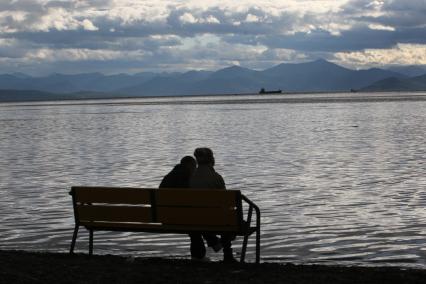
340,178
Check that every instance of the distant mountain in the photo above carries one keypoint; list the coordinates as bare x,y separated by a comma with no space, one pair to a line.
232,79
33,95
315,76
410,71
61,83
322,75
167,84
398,84
229,80
26,95
20,75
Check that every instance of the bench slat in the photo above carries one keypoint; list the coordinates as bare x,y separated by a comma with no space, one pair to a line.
197,216
196,197
114,213
112,195
112,226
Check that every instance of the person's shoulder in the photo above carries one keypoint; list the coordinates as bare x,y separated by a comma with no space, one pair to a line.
177,168
165,181
218,175
219,180
170,179
215,172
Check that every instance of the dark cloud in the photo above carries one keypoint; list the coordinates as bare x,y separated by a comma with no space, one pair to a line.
234,28
14,51
398,22
397,14
111,31
324,41
356,26
21,5
94,40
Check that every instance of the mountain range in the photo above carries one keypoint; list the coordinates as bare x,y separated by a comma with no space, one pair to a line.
393,84
315,76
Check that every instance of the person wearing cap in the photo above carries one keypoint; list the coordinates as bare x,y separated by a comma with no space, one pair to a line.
205,177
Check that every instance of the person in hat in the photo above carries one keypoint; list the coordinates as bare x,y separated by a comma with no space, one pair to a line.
206,177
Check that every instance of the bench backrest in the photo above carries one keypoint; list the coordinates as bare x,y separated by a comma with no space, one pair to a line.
175,208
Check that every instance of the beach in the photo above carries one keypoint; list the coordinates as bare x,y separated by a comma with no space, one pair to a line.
40,267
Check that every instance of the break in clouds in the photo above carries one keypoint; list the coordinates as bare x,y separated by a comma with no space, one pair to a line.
43,36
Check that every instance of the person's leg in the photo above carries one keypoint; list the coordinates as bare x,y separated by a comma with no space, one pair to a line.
226,240
198,250
211,239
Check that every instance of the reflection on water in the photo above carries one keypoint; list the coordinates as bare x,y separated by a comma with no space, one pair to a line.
340,182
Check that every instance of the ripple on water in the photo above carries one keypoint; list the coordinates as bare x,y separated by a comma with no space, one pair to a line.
329,192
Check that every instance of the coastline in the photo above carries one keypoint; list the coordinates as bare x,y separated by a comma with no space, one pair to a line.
286,98
43,267
111,97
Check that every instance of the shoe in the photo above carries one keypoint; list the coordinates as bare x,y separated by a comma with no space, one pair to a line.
202,259
217,247
230,260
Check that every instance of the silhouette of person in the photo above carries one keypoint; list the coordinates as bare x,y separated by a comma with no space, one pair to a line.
206,177
180,175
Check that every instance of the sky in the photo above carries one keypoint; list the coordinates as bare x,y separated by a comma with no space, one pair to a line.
40,37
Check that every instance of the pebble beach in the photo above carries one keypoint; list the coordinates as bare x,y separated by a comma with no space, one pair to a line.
39,267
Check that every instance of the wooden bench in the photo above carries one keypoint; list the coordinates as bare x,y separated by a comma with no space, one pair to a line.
164,211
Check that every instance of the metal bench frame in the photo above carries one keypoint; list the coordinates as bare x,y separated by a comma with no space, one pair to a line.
244,225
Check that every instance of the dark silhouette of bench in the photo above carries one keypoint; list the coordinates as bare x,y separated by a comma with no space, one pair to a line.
164,211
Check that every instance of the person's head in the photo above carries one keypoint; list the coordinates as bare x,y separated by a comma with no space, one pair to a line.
204,156
189,163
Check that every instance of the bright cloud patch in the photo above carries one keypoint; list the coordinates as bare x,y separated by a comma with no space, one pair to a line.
188,18
402,54
381,27
88,25
252,18
72,55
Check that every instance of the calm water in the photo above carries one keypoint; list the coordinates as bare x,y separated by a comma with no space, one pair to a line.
339,178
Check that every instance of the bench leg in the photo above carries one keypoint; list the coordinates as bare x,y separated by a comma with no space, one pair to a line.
244,248
74,238
90,242
258,245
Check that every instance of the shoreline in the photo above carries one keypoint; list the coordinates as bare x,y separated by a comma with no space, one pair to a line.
289,93
47,267
289,98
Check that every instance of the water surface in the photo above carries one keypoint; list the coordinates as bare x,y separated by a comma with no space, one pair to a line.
340,178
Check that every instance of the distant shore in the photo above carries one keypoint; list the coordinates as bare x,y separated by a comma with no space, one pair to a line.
285,97
29,267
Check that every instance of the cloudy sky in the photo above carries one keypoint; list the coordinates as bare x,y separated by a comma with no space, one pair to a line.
113,36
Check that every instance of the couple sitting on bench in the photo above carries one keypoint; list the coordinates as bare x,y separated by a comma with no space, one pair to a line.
188,175
190,201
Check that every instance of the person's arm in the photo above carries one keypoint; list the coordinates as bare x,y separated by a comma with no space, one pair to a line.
163,183
221,182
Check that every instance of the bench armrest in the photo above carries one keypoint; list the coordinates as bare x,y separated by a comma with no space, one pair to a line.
250,212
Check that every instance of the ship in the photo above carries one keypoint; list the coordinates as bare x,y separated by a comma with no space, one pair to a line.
263,91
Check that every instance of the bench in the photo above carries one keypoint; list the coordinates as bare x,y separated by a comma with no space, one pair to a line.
164,211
